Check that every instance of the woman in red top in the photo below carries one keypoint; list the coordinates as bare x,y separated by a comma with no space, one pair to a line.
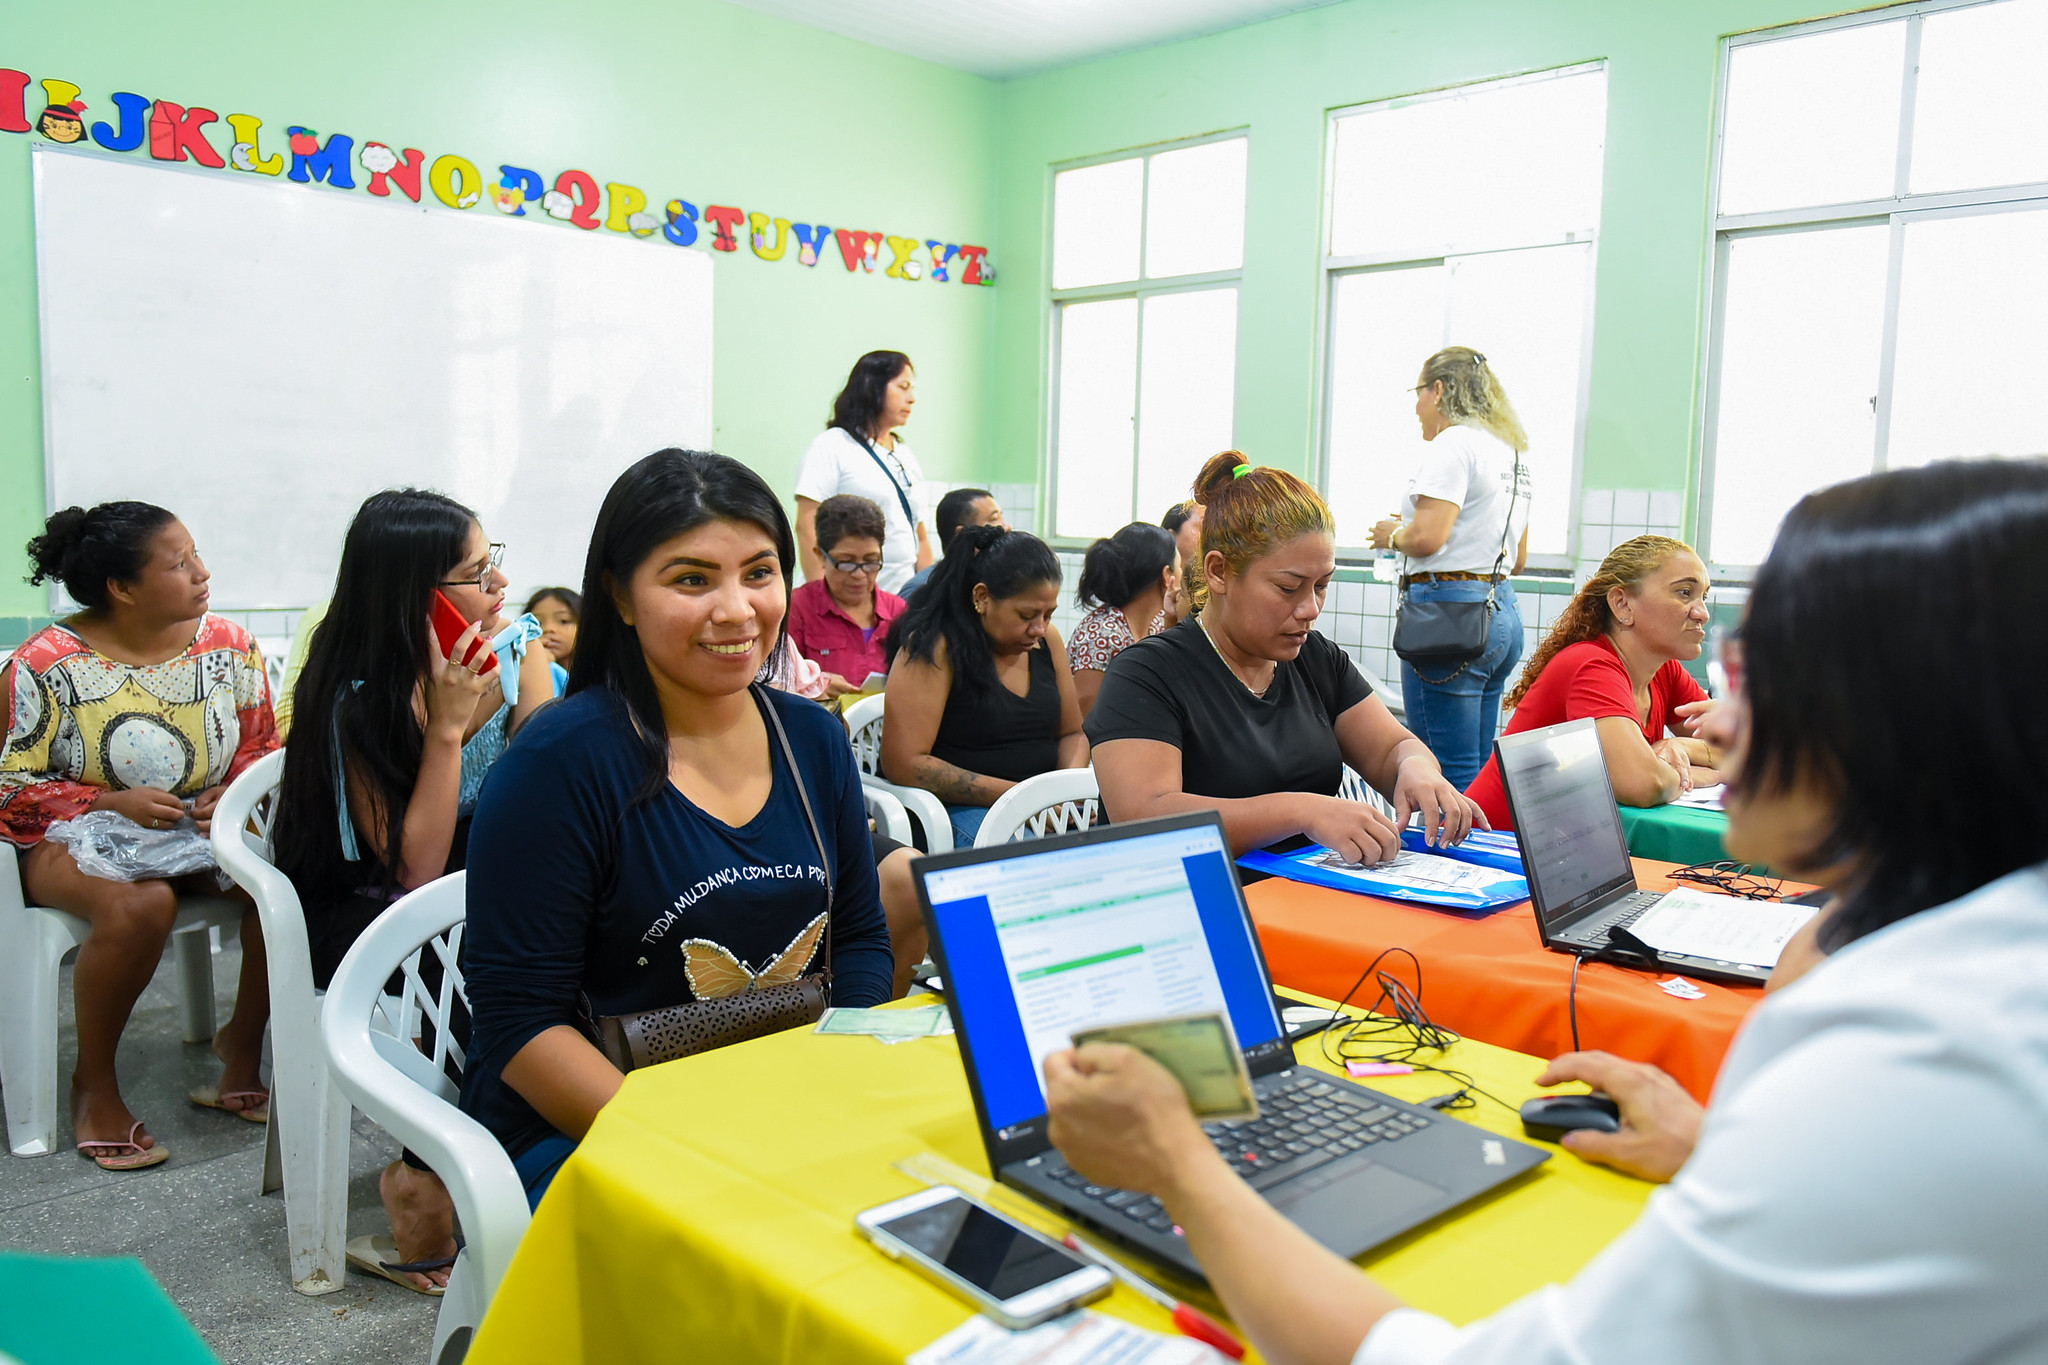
1614,655
841,621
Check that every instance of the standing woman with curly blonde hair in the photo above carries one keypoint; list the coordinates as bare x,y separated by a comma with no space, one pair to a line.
1616,655
1464,528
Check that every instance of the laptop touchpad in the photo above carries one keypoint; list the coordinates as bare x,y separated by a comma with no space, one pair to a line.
1336,1208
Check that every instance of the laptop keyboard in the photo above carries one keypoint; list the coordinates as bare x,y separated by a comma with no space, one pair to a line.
1632,907
1303,1124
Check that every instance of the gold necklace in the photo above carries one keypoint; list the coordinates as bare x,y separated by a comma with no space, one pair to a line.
1202,624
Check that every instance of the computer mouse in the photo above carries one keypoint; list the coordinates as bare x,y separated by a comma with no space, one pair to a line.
1549,1117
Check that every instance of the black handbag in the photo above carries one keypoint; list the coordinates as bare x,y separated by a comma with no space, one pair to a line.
662,1035
1435,635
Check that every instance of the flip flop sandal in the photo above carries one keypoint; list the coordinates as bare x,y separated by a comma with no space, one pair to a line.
211,1097
126,1155
377,1254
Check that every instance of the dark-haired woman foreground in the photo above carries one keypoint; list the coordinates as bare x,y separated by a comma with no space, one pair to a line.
144,705
1868,1184
980,696
645,844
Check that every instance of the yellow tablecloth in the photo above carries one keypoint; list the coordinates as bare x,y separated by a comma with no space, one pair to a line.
709,1214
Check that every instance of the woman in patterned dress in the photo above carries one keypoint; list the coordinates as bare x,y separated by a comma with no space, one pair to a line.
145,705
1126,580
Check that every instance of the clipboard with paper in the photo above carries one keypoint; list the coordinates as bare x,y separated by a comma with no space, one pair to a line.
1481,875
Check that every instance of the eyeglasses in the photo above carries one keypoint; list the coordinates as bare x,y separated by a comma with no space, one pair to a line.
493,561
856,565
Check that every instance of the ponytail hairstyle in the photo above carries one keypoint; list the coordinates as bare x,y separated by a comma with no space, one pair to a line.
84,549
1007,563
1472,395
1123,566
657,499
859,405
1249,512
352,707
1587,616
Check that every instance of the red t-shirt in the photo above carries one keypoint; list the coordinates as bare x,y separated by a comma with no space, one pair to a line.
826,635
1584,680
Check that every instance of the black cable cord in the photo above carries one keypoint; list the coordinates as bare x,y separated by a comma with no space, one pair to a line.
1397,1023
1571,999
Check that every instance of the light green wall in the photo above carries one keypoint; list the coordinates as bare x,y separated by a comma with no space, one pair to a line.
1279,78
679,97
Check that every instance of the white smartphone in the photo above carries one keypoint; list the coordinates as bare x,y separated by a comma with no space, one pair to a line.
1016,1276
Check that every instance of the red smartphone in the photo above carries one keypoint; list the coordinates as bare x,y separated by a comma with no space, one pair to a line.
449,623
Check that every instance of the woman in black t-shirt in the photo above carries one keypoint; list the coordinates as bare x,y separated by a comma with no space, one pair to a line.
1246,710
980,695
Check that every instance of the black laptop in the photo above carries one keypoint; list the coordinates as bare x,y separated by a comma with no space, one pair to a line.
1581,882
1040,939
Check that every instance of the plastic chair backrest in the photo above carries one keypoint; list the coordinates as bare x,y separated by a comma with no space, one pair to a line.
1058,802
1356,788
864,726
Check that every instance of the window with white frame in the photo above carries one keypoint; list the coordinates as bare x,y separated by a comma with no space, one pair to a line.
1462,217
1147,252
1880,262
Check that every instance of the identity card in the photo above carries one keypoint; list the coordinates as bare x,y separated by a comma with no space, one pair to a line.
1202,1053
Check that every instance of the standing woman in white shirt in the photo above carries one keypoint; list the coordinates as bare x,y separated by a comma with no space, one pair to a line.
859,453
1464,528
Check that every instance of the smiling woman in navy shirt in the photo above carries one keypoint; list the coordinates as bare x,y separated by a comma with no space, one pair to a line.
652,811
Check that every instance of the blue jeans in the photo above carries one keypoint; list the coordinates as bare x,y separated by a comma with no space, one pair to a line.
966,823
1456,711
537,1165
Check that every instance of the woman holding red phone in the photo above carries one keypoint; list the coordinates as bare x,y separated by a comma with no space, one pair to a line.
393,735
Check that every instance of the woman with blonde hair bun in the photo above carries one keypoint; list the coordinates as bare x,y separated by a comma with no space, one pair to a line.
1616,654
1244,709
1464,528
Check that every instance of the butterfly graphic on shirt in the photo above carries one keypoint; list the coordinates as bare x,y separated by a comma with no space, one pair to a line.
715,973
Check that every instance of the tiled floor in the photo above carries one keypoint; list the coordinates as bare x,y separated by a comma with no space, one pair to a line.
197,1222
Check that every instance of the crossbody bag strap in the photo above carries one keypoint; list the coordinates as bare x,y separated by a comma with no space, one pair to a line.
901,496
810,816
1508,528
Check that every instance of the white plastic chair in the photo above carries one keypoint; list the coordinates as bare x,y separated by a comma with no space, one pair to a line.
864,725
34,941
1058,802
409,1092
887,813
307,1148
1356,788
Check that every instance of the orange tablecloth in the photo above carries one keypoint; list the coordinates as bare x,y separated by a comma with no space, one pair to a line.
1492,978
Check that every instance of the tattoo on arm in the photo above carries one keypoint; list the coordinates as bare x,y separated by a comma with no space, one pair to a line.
948,783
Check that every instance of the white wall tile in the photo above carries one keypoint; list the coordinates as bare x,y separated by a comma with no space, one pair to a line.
1631,506
1346,596
1379,632
1667,507
1379,598
1598,505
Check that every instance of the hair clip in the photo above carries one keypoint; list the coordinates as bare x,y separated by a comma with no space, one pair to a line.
1240,471
1478,359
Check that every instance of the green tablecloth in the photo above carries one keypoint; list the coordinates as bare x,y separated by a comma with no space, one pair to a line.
1675,834
78,1310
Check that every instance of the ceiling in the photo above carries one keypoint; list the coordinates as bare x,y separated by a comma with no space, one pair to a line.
1004,38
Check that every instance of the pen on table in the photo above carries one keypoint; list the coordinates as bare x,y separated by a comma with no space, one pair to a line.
1191,1321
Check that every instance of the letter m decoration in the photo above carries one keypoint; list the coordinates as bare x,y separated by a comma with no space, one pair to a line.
311,161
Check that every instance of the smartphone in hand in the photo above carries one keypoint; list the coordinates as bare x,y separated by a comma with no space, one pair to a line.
449,623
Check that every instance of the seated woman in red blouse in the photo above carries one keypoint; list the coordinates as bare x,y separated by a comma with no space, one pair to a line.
1614,655
840,621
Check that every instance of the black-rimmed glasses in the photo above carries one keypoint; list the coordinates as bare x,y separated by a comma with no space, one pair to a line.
494,560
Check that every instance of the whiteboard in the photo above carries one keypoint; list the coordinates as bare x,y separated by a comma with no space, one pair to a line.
259,356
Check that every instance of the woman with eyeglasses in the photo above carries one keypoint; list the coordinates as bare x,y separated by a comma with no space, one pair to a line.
1617,654
841,621
1867,1184
389,748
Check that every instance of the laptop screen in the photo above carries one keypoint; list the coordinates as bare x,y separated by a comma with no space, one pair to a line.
1573,848
1041,943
